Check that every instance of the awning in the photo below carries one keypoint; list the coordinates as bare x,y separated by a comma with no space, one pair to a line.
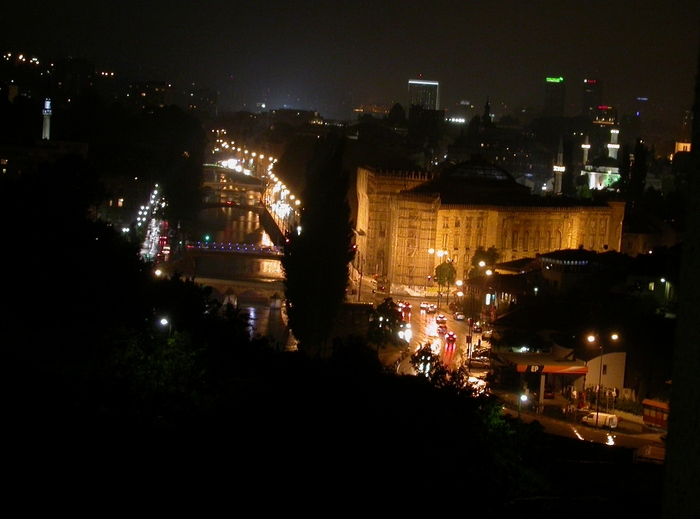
542,363
568,370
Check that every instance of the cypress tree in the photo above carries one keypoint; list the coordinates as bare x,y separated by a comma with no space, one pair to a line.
316,260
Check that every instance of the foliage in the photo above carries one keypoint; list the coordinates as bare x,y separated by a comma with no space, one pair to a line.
353,358
384,323
316,260
638,175
425,361
629,406
445,274
489,256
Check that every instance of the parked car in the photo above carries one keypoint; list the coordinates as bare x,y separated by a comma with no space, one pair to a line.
459,316
603,420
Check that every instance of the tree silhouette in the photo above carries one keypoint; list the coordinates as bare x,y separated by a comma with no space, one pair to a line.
316,259
384,323
638,175
489,256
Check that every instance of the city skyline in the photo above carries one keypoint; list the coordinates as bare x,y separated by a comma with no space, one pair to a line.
334,57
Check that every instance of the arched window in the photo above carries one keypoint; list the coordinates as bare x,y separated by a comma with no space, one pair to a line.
514,244
557,240
526,240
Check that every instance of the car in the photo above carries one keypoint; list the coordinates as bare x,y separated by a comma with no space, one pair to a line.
442,329
450,338
459,316
549,392
432,308
441,319
478,329
424,305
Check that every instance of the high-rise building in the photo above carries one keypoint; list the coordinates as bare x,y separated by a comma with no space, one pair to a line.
425,94
592,97
554,97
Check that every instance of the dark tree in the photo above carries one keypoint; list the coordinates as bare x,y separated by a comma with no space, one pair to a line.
316,260
638,175
384,323
397,116
489,256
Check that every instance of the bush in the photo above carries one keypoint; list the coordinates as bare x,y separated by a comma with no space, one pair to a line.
629,406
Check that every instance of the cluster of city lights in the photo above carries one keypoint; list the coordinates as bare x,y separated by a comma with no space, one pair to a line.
282,204
146,212
247,162
22,58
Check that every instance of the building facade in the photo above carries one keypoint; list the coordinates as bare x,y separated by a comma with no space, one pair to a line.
416,220
425,94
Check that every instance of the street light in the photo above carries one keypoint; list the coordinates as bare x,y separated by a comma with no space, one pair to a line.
521,400
164,322
591,339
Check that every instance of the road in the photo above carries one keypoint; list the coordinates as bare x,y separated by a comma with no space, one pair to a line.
425,331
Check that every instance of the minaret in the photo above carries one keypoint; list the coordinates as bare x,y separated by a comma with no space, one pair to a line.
46,131
613,146
585,147
559,168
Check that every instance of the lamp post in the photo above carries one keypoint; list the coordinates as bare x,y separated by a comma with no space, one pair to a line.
359,288
440,255
165,322
591,339
521,400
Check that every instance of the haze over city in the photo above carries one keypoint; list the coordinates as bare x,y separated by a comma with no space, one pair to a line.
335,56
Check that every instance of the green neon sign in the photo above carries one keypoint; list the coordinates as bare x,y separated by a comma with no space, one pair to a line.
555,79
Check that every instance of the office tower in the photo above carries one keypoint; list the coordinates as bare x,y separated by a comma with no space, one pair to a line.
592,97
425,94
554,97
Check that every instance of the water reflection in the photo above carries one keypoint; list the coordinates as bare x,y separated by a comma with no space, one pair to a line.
240,225
231,225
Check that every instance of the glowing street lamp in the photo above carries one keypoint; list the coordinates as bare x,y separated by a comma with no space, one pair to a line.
521,401
591,339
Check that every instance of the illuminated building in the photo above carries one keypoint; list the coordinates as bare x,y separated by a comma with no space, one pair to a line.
425,94
462,208
604,171
592,97
150,94
554,97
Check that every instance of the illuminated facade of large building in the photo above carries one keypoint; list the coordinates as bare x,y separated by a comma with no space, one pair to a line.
411,221
425,94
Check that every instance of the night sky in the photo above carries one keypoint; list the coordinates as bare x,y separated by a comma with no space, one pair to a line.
325,55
